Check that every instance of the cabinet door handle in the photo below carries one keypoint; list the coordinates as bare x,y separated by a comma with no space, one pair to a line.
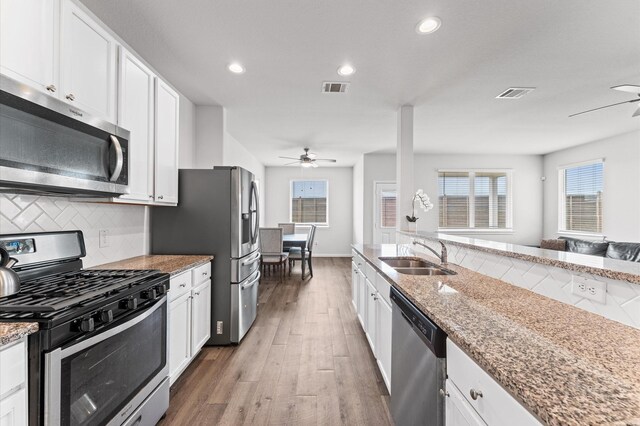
70,97
160,197
444,393
475,394
204,274
51,88
373,294
183,285
197,293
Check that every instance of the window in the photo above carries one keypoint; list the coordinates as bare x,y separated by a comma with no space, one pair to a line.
309,201
388,209
474,199
580,203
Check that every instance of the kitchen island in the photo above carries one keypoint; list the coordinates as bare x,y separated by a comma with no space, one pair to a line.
567,366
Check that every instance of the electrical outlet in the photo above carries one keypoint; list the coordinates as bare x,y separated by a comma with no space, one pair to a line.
589,289
104,238
218,327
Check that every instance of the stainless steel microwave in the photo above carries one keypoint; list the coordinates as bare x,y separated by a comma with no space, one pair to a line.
50,147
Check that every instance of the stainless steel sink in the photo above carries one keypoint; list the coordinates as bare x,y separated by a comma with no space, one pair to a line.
406,262
415,266
424,271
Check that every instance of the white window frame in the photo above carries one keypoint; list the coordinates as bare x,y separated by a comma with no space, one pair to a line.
303,224
472,229
562,213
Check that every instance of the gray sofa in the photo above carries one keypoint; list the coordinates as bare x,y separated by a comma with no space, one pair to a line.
610,249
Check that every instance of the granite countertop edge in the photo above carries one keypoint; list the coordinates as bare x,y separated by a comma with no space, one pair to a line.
12,331
167,263
611,268
458,336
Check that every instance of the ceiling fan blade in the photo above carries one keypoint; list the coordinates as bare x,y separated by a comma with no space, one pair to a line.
637,113
629,88
331,160
290,158
606,106
311,155
314,165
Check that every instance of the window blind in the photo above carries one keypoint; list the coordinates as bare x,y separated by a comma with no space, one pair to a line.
453,199
583,189
474,199
309,201
388,209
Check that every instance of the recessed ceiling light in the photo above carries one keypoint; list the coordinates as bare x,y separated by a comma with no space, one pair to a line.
428,25
236,68
346,70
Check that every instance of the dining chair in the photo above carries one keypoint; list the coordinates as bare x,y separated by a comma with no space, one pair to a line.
296,254
271,250
287,228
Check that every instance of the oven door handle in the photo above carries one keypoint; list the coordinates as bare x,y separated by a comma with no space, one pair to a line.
113,331
119,160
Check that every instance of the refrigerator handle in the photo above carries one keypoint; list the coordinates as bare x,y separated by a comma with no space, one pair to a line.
254,210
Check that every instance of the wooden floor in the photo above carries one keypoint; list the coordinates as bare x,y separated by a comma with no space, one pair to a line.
305,361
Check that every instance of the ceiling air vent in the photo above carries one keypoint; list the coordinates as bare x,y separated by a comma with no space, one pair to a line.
515,92
334,87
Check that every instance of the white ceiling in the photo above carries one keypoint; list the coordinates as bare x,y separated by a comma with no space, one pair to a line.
571,50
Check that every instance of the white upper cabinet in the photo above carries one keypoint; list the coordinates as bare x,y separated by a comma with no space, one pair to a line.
166,155
135,113
88,63
29,42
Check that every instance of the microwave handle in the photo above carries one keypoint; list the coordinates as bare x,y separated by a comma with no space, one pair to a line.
119,161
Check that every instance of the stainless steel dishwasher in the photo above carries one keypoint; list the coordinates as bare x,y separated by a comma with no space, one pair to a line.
418,366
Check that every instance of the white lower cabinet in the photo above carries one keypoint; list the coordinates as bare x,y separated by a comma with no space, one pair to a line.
474,391
13,384
370,297
458,411
189,317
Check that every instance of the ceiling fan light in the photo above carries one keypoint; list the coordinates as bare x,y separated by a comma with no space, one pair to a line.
306,164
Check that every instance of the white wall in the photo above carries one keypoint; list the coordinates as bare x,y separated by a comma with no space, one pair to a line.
187,151
336,239
358,201
527,189
621,195
209,136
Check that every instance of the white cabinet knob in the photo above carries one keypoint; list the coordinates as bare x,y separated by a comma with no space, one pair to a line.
70,97
51,88
475,394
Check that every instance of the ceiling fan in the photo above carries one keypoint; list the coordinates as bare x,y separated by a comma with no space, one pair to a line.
307,159
629,88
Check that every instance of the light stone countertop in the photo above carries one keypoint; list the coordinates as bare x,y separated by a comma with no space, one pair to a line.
12,331
602,266
171,264
567,366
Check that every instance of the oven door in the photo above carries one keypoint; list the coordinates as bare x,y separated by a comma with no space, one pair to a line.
105,378
50,147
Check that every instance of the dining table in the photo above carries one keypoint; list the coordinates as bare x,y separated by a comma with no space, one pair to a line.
296,240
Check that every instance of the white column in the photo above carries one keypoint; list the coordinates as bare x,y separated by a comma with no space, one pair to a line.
404,167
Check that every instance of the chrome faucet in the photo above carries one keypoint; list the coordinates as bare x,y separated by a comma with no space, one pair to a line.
442,256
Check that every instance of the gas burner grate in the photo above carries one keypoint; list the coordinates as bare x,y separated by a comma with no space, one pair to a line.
57,292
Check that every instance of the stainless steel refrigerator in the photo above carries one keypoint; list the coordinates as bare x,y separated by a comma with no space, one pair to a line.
217,214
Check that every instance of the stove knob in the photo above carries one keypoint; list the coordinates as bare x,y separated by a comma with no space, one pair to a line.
130,304
150,294
161,289
105,316
85,325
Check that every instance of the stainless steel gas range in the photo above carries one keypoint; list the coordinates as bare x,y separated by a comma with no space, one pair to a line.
100,356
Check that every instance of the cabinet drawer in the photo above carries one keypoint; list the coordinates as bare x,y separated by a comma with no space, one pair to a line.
201,273
383,288
360,263
370,272
13,367
496,406
179,285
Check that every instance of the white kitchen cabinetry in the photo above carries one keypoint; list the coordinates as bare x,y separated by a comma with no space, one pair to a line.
166,148
189,317
13,383
136,111
370,293
29,42
480,394
458,412
88,63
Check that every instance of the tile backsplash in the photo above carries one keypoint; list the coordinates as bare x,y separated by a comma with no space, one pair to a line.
126,225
